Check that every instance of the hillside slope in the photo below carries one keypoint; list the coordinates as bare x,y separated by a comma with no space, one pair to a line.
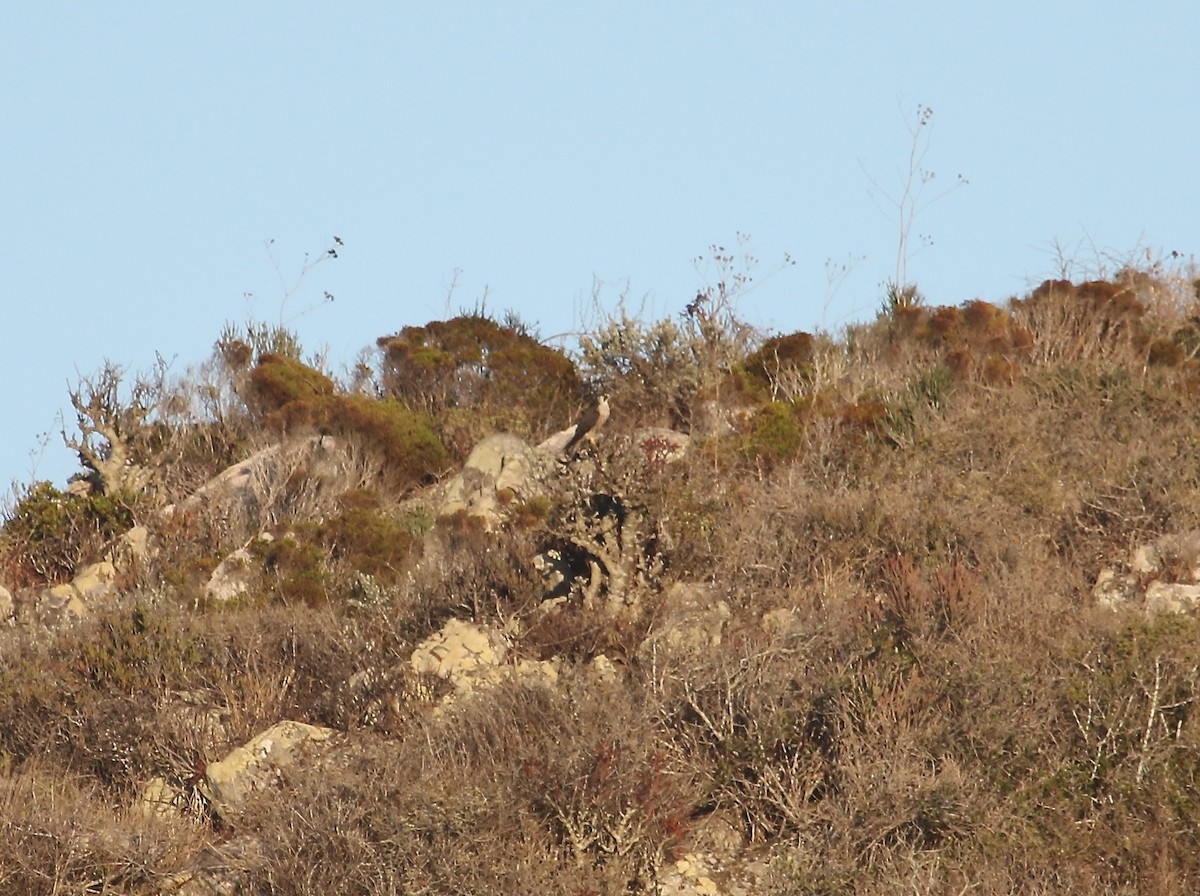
909,609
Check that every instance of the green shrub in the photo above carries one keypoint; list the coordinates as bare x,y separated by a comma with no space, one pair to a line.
48,535
293,397
775,433
277,381
405,440
368,542
295,569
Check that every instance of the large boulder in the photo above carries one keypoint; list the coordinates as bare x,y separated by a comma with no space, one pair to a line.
233,576
1164,575
258,765
473,658
500,471
63,604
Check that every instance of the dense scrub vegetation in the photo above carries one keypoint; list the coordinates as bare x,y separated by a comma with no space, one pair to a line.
914,689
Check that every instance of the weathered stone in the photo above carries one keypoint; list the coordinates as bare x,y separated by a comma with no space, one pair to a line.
1114,591
458,652
689,875
159,799
1172,597
472,658
602,670
258,764
233,479
1145,560
58,605
524,671
555,445
232,577
131,549
1175,553
95,581
499,470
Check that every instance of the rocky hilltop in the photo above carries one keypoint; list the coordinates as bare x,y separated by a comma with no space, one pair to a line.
909,608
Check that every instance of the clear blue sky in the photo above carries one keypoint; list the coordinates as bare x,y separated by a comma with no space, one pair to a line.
149,149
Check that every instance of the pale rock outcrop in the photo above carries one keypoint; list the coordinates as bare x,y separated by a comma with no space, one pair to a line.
500,470
96,580
603,671
461,650
258,764
555,445
1172,597
131,549
62,604
724,870
1113,590
1175,554
472,659
58,605
232,577
689,875
1163,574
244,476
160,800
655,444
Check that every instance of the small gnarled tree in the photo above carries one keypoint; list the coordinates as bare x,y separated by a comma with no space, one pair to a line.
113,431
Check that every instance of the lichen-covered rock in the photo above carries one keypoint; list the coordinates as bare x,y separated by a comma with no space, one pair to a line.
1176,555
58,605
95,580
1164,575
459,651
131,549
159,799
1114,591
688,875
63,604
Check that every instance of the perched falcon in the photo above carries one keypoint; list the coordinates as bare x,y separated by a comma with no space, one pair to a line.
589,422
